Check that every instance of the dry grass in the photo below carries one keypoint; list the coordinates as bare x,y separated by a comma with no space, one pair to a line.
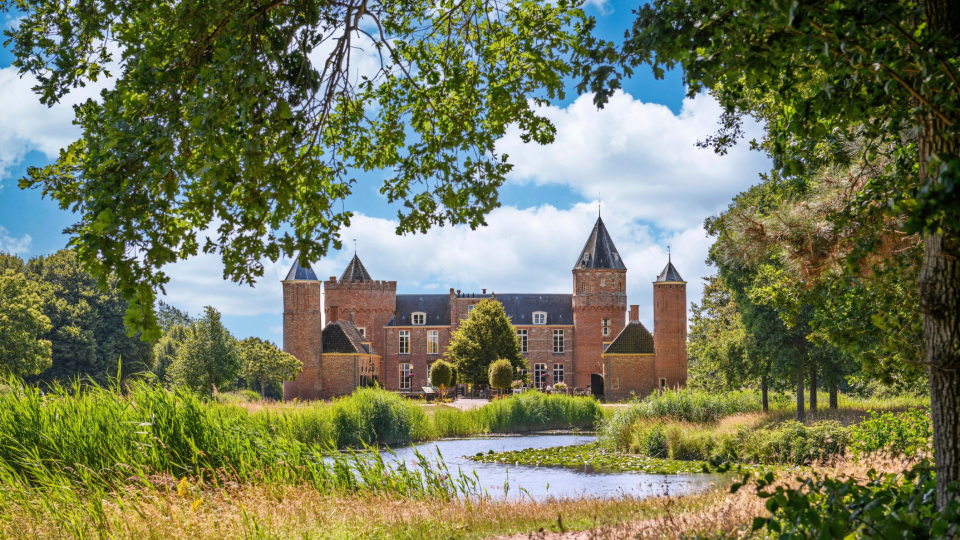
302,512
723,515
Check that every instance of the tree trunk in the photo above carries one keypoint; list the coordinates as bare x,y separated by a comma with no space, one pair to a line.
833,395
763,393
813,388
939,285
800,375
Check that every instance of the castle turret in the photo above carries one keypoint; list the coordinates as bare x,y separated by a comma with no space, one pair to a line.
599,305
301,330
670,328
356,297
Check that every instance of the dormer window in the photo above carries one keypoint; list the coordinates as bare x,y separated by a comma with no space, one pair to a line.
419,318
539,317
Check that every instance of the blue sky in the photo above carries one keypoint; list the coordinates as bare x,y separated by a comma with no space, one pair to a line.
638,153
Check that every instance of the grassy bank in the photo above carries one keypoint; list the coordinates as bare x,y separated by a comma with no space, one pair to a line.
692,425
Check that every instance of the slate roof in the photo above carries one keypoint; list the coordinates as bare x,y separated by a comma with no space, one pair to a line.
355,271
519,308
633,339
669,273
343,337
298,272
436,306
599,251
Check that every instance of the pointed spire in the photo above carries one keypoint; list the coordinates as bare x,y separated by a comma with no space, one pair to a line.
669,273
599,251
355,271
299,273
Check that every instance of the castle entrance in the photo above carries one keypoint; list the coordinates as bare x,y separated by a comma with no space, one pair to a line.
596,384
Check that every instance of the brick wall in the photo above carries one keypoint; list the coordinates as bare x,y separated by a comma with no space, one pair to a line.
670,332
418,355
540,350
627,375
597,294
301,337
369,305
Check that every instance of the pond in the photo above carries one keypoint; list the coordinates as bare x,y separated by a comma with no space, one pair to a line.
517,481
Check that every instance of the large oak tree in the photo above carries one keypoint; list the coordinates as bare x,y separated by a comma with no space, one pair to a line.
237,126
835,70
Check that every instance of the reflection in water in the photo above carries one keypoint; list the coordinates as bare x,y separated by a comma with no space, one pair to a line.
517,481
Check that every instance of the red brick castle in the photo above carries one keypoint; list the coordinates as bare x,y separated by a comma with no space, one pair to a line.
582,339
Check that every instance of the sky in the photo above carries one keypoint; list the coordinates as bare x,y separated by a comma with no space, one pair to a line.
635,161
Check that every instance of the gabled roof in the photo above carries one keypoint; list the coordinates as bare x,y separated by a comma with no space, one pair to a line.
633,339
355,271
298,272
343,337
599,251
669,273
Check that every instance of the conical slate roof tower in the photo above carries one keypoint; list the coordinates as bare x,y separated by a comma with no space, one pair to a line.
355,272
599,251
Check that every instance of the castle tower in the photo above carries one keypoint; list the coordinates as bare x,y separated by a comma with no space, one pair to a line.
356,297
301,330
670,328
599,304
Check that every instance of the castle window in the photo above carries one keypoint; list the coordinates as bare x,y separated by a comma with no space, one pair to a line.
539,317
539,375
404,342
606,327
558,341
619,287
583,287
616,383
663,384
419,318
557,373
522,334
406,376
362,331
470,309
433,341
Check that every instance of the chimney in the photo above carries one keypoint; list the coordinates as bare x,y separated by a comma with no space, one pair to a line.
634,313
451,293
484,291
334,314
333,279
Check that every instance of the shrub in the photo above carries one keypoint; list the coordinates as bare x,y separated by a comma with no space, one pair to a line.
885,506
904,433
652,442
794,443
501,374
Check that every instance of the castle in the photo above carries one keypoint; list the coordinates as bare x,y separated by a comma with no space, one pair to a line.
581,339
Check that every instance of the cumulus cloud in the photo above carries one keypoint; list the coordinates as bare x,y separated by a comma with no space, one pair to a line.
11,244
522,250
640,158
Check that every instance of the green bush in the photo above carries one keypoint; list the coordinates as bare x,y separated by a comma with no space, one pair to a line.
882,507
793,443
652,442
905,433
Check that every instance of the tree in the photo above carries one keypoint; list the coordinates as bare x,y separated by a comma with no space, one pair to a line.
266,365
168,316
250,118
501,374
441,375
165,352
209,358
22,323
87,336
484,337
836,71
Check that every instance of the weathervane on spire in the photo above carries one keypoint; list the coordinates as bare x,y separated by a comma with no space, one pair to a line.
354,246
599,203
668,253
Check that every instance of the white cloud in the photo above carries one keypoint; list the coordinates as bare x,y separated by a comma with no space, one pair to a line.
28,125
522,250
11,244
641,159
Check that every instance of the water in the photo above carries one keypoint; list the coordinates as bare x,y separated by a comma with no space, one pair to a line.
539,482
